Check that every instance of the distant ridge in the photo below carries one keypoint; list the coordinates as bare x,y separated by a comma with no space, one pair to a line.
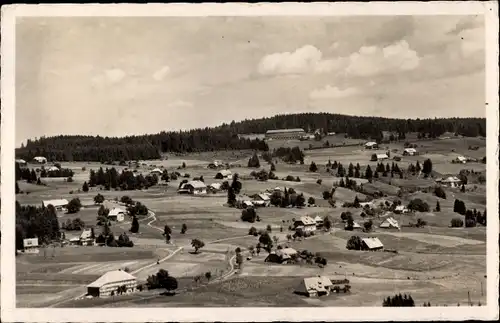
225,136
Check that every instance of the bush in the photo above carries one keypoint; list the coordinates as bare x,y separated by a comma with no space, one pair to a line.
74,205
248,215
319,181
327,195
457,223
354,243
252,231
439,191
311,201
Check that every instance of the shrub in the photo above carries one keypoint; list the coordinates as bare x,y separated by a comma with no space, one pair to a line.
439,191
248,215
252,231
319,181
457,223
327,195
354,243
311,201
74,205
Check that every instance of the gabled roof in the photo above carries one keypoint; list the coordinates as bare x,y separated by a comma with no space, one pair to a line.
284,130
157,170
371,143
389,222
115,211
400,208
216,186
53,169
307,220
410,150
196,184
264,197
461,158
452,179
316,284
382,156
55,203
318,219
20,161
373,243
111,277
86,234
225,172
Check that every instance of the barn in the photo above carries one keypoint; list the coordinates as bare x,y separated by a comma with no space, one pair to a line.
112,283
296,133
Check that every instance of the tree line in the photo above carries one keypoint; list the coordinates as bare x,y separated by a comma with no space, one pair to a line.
126,180
36,222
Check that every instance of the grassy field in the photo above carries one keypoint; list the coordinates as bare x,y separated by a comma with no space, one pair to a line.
435,263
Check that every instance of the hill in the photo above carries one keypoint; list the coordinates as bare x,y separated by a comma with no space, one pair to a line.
225,137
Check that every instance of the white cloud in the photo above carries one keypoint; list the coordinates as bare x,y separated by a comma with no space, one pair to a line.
179,104
307,59
374,60
161,73
332,92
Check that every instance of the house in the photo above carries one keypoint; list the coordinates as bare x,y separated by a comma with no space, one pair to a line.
261,199
214,187
296,133
21,162
401,209
371,244
247,204
110,283
223,174
451,181
319,221
116,214
40,160
382,156
59,205
156,172
306,223
53,169
193,187
31,245
215,164
389,223
371,145
355,226
366,204
461,159
75,241
87,237
281,256
314,286
409,152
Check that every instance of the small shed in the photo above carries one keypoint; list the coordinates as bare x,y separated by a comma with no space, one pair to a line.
223,174
389,223
371,243
117,214
30,245
59,204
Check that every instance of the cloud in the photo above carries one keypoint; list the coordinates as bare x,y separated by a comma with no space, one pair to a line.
160,74
306,59
472,41
371,60
179,104
332,92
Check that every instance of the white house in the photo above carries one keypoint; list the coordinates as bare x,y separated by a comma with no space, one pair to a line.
156,171
389,223
314,286
40,160
214,187
193,187
451,181
306,223
371,244
31,245
53,169
371,145
410,152
401,209
223,174
382,156
109,283
461,159
59,205
116,214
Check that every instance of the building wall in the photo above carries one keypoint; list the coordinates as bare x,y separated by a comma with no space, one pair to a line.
286,135
112,287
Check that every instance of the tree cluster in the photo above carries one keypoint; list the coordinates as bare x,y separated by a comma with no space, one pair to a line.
162,279
73,225
36,222
290,155
399,301
126,180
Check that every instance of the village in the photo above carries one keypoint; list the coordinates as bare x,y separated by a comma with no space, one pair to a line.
394,216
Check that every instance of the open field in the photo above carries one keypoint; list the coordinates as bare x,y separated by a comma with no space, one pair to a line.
434,263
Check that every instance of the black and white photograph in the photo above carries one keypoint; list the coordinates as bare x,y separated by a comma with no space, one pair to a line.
316,159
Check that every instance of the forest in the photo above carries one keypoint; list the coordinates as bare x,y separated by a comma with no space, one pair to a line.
225,137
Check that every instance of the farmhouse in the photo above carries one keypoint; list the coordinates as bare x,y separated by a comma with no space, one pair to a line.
451,181
461,159
305,223
193,187
40,160
59,205
215,164
247,204
110,283
382,156
30,245
156,171
371,244
52,169
87,237
281,255
116,214
314,286
319,221
409,152
261,199
389,223
225,173
214,187
371,145
285,133
401,209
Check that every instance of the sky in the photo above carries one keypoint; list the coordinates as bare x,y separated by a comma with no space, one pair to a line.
127,75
